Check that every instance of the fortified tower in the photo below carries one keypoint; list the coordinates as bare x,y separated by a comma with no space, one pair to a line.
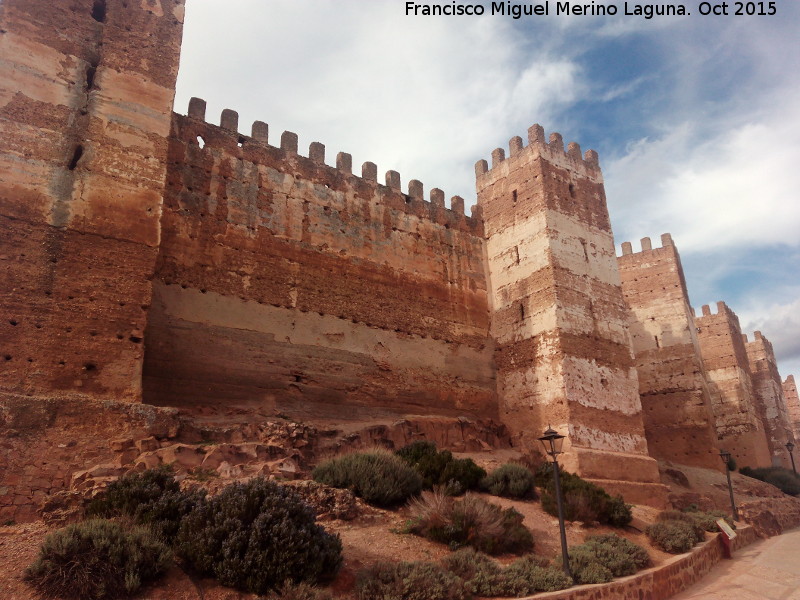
86,91
737,419
675,399
560,322
769,396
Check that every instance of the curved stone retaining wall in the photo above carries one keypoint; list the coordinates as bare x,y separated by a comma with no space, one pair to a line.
658,583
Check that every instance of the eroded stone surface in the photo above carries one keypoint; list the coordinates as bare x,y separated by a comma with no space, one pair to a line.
559,318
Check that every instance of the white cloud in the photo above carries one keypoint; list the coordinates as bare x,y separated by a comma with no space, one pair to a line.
426,97
780,323
737,187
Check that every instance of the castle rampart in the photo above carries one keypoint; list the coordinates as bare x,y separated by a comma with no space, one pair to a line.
738,423
338,289
158,257
676,405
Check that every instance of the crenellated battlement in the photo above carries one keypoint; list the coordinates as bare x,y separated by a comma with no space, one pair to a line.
722,309
553,149
762,343
227,136
647,245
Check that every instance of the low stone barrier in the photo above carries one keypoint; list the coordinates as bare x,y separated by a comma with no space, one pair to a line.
663,581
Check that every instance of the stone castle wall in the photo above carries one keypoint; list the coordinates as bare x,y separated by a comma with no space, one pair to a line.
676,405
286,281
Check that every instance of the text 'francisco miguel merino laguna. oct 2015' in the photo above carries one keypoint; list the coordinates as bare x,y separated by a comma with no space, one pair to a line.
646,11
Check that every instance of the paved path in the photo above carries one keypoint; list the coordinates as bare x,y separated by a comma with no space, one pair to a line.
767,569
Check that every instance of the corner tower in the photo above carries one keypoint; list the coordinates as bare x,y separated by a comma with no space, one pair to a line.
559,318
86,93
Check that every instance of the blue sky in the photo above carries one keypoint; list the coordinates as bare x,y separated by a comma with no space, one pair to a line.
696,119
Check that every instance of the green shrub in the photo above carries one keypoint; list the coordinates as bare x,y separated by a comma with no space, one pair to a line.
636,553
783,479
603,557
583,500
97,559
151,497
675,537
529,575
471,521
256,536
707,520
441,469
377,476
481,575
511,481
462,474
409,581
299,591
676,515
587,566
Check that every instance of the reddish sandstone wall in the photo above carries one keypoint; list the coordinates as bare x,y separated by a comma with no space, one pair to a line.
676,406
287,282
769,396
558,316
86,91
737,420
45,442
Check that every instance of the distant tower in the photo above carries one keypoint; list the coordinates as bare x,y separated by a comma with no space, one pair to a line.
559,319
86,91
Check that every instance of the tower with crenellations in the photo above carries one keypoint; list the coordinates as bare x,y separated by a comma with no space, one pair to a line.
676,403
558,316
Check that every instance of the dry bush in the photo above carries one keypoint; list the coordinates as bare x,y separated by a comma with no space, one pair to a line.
97,559
471,521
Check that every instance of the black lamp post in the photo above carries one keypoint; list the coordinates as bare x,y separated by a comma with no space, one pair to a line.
552,442
790,448
726,458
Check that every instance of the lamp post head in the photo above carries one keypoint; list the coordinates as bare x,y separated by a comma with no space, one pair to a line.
725,456
552,442
790,446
